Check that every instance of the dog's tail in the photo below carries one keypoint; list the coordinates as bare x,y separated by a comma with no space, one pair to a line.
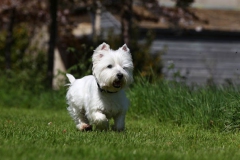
70,78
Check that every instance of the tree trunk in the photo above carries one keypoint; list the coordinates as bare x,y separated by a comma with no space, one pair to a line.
126,21
95,14
52,40
9,39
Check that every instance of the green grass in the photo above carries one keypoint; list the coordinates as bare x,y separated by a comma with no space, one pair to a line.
165,121
209,107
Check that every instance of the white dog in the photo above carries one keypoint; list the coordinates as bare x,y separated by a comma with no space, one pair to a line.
95,99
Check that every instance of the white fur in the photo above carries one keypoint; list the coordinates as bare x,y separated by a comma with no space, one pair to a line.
90,105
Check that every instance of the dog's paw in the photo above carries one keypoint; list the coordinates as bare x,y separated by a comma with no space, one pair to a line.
119,129
84,127
102,126
100,121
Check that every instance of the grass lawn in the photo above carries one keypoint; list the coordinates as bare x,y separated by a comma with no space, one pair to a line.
166,121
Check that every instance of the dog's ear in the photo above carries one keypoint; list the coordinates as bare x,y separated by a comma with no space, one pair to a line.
103,46
125,48
99,51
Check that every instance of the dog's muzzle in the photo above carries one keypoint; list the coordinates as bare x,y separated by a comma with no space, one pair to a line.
118,82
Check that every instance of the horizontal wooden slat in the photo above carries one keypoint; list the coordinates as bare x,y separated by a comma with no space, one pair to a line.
199,61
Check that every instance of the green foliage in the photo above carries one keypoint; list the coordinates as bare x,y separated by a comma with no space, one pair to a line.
20,43
28,70
83,56
209,107
17,94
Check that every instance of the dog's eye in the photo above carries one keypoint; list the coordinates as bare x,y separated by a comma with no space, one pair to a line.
125,68
109,66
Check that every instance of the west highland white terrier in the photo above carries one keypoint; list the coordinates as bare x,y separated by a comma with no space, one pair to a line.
95,99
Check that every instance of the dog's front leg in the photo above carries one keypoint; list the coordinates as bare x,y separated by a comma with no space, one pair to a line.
119,122
100,120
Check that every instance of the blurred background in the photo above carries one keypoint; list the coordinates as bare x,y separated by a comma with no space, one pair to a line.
189,41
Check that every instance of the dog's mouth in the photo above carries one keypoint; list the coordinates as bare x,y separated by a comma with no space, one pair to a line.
117,83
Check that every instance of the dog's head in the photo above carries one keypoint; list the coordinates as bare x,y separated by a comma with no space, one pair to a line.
112,68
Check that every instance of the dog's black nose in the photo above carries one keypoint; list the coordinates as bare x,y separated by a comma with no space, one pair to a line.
120,76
